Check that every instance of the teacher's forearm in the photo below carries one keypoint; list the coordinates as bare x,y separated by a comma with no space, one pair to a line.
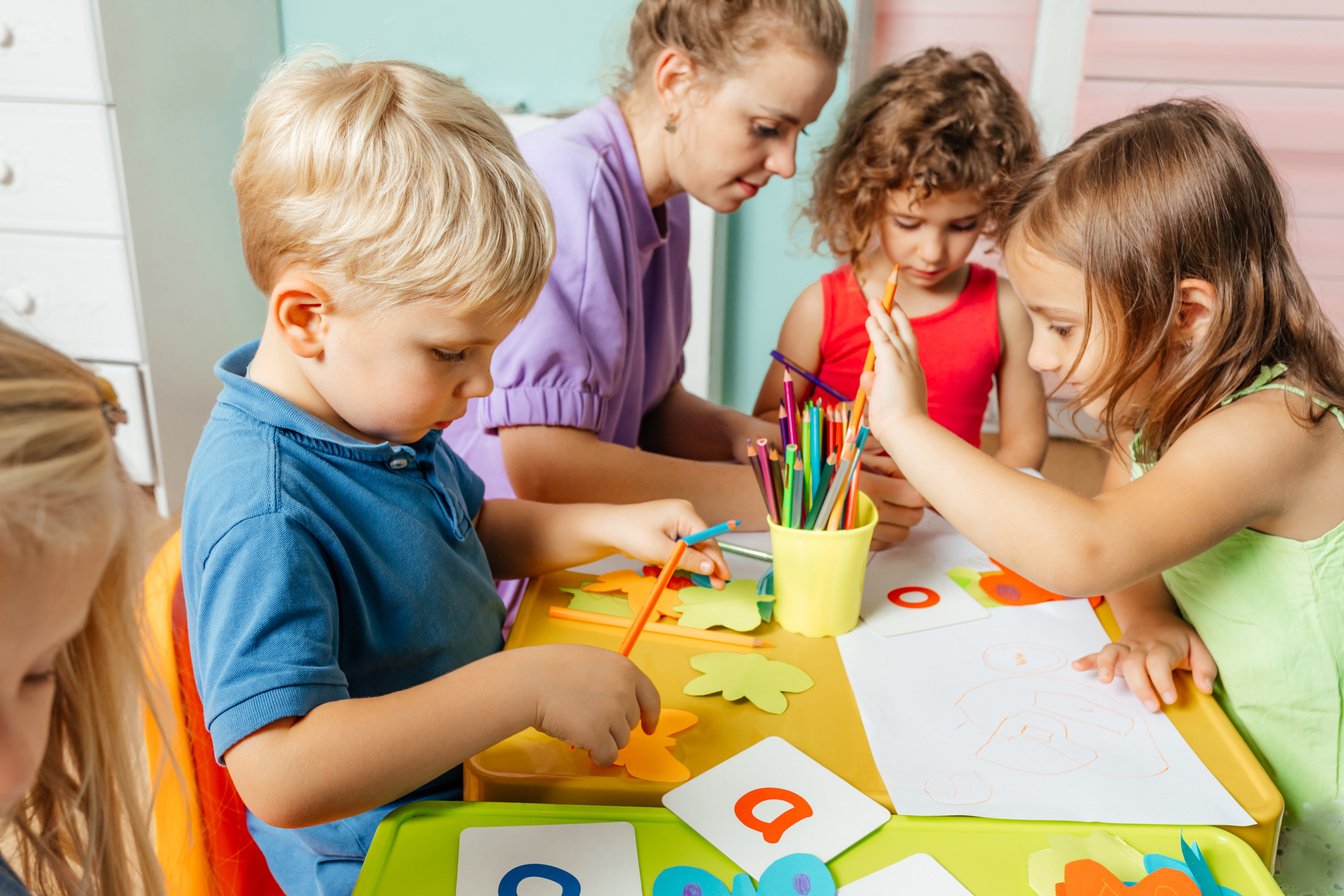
557,464
687,426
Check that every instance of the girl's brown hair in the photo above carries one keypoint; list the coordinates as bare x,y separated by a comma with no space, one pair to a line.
719,36
1173,191
83,827
934,123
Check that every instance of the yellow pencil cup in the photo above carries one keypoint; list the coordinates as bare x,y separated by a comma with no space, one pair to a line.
819,574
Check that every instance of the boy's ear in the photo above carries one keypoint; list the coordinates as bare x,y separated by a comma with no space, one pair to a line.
299,307
1199,301
673,75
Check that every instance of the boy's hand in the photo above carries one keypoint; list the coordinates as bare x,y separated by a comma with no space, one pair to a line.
896,388
649,531
589,697
1147,653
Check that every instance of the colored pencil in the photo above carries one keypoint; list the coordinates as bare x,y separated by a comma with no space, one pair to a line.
851,476
778,480
786,470
711,532
661,628
743,551
641,620
800,486
819,495
888,297
783,424
811,378
833,492
771,487
754,461
791,409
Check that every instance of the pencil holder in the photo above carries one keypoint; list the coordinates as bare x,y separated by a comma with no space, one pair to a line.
819,574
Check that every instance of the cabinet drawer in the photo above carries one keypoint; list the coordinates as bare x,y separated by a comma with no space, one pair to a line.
48,50
133,440
73,292
58,170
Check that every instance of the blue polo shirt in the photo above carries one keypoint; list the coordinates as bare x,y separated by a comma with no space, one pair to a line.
317,567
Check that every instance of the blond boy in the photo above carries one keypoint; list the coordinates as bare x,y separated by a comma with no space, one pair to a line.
345,629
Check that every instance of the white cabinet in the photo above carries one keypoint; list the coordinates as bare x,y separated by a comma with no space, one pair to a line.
118,236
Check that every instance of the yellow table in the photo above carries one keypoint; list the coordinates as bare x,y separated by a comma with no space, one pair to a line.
823,722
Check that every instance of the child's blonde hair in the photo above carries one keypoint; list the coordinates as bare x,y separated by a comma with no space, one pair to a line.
719,37
1173,191
84,825
933,123
392,178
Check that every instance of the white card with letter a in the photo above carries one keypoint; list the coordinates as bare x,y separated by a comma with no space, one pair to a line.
772,800
587,859
919,873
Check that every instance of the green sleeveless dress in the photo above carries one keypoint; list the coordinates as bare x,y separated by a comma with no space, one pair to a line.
1271,610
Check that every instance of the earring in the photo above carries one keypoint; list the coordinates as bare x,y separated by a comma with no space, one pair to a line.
671,124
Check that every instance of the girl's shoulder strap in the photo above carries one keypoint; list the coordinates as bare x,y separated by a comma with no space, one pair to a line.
1268,378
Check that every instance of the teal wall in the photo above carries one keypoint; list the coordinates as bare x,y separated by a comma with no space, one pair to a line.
553,56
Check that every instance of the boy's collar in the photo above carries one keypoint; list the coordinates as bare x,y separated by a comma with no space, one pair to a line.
257,401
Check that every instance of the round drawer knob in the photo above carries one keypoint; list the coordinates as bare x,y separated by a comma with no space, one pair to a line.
20,300
6,36
6,174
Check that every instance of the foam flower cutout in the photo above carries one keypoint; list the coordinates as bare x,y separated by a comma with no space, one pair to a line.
1088,877
606,604
676,583
649,756
749,675
1045,868
637,589
737,606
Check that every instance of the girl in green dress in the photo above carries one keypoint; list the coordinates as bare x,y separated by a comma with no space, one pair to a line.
1153,259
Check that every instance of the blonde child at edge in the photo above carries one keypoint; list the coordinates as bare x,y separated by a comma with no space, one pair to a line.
73,802
1153,258
344,624
926,151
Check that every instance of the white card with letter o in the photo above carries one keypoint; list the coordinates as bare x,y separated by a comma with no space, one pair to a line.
772,800
558,859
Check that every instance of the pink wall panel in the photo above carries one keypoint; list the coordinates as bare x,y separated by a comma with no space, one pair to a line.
1318,242
1325,9
1006,30
1297,119
1314,182
1226,50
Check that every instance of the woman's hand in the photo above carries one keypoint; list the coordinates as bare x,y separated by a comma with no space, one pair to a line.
1151,647
649,531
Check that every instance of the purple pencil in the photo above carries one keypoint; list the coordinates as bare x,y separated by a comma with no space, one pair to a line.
791,409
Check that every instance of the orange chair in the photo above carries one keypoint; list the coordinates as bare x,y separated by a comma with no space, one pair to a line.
200,826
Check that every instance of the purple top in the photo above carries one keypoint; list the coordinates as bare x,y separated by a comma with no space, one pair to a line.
604,343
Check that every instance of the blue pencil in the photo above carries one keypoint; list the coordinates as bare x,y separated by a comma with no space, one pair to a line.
808,376
712,532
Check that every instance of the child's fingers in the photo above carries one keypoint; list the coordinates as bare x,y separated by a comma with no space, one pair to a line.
1202,665
1104,661
708,560
1135,670
650,703
1158,666
603,750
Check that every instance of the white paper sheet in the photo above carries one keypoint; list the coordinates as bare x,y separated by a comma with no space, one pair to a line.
990,719
917,874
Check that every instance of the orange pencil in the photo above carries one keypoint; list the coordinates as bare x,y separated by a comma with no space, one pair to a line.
661,628
888,296
637,626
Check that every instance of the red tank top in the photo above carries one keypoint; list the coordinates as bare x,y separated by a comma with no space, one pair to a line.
959,347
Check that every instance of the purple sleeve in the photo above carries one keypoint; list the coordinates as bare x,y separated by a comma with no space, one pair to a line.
563,364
